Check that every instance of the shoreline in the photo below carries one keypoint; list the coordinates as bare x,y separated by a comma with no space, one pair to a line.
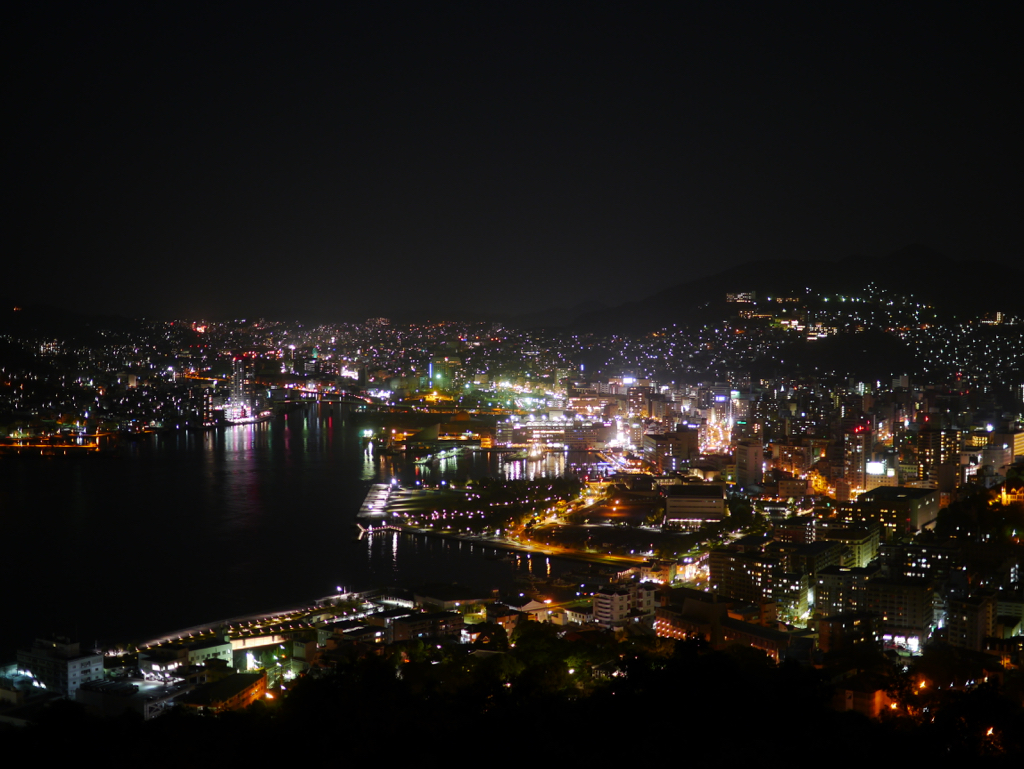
376,507
504,544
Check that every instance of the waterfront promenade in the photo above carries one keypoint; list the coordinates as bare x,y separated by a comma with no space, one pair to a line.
380,510
260,623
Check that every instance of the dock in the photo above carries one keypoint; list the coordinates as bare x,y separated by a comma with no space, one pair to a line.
376,502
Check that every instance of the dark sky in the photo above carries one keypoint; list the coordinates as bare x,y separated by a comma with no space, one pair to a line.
354,159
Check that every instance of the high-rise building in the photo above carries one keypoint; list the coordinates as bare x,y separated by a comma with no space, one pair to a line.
444,369
904,609
749,577
841,589
749,463
856,452
671,451
969,621
243,385
639,401
936,448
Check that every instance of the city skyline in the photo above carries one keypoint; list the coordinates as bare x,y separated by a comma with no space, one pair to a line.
487,361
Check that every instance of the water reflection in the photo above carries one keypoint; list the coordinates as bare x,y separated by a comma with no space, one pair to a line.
242,518
550,464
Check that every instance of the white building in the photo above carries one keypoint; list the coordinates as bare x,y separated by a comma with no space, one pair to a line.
58,665
617,604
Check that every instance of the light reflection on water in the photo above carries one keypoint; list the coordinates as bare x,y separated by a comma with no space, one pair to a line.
190,527
551,464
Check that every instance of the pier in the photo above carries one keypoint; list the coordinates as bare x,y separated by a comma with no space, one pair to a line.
376,502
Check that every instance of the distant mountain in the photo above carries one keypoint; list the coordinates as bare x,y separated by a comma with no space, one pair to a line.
553,317
55,321
954,288
557,317
866,355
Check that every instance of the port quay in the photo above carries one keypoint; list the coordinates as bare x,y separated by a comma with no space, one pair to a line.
377,511
375,506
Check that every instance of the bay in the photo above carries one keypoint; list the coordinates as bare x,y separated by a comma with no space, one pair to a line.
191,527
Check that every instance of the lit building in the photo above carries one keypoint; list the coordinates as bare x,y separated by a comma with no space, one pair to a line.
879,473
860,543
904,609
235,692
59,666
690,505
243,386
671,451
797,528
173,659
748,577
444,370
699,615
439,624
749,463
969,621
935,561
663,572
791,596
639,401
1013,441
807,558
790,488
791,459
856,451
615,605
937,448
841,590
554,434
898,509
841,631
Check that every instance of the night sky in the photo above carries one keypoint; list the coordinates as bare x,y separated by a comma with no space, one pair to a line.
354,159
